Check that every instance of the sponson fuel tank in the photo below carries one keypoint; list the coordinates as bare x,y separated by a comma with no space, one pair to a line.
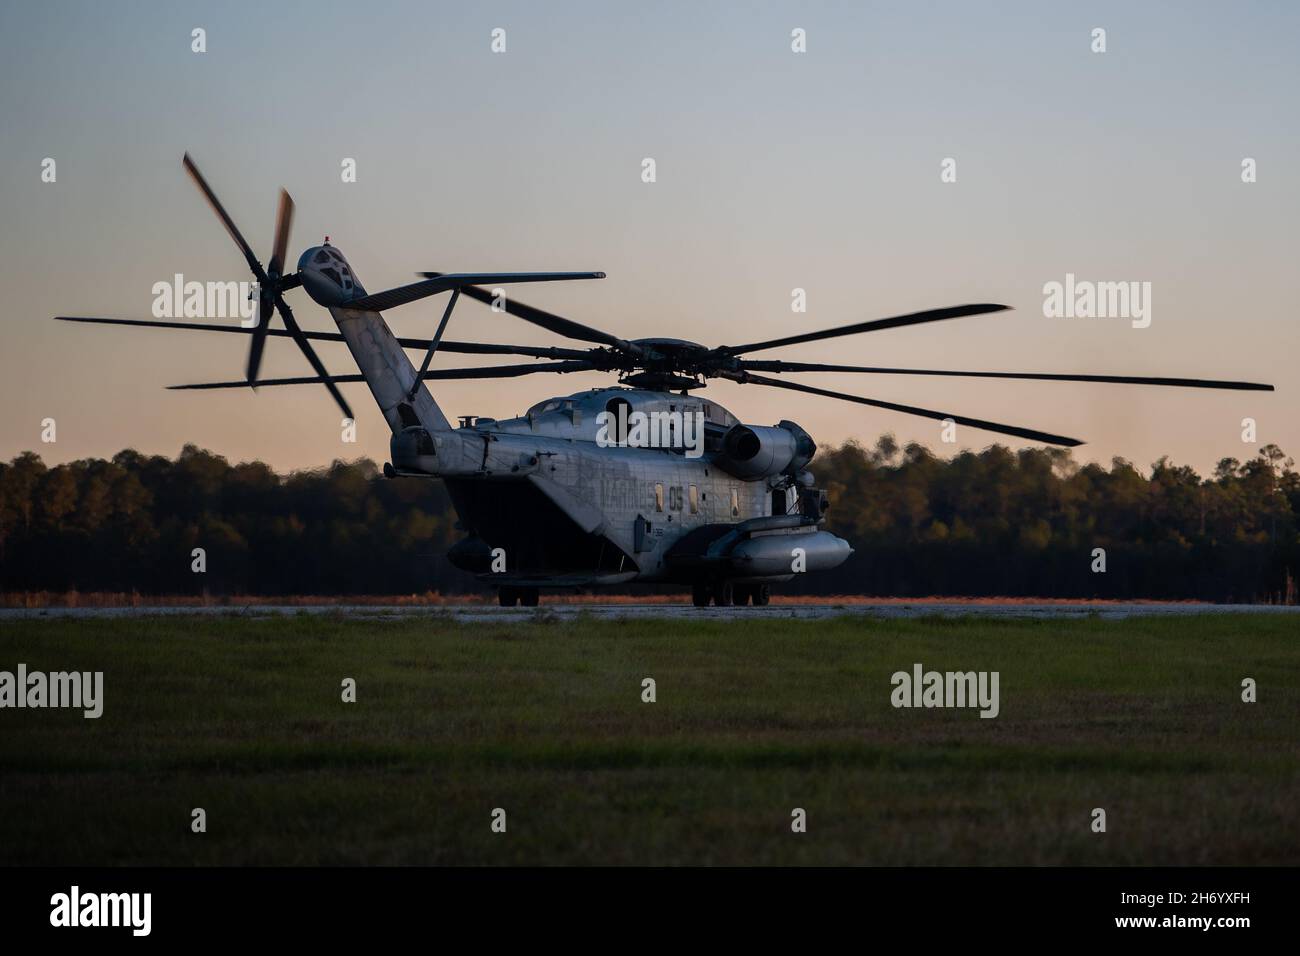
776,554
777,546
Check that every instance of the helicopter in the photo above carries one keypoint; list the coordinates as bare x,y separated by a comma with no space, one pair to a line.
641,482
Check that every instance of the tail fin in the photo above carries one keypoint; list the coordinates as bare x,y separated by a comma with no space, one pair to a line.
394,381
388,371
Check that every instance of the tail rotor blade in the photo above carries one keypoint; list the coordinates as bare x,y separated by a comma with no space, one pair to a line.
270,289
305,345
265,306
224,216
283,224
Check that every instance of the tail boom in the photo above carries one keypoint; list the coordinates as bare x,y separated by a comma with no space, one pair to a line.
388,371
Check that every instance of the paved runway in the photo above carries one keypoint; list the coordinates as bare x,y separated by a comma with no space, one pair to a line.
478,613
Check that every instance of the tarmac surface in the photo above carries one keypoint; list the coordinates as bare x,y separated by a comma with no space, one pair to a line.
482,613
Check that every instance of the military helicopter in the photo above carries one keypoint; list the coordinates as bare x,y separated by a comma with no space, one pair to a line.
642,482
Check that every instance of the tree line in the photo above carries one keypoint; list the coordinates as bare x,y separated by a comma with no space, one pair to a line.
988,523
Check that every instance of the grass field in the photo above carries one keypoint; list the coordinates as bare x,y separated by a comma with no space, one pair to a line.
1142,717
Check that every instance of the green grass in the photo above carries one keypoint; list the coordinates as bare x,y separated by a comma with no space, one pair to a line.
243,718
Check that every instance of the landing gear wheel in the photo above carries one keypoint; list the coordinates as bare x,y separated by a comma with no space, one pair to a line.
528,597
762,595
724,594
507,596
701,593
742,594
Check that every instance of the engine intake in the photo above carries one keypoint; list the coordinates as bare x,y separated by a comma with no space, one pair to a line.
752,452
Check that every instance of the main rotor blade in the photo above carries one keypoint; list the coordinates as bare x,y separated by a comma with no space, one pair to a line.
292,325
441,282
497,371
508,371
781,366
549,321
301,380
190,326
469,348
484,348
1027,433
894,322
224,216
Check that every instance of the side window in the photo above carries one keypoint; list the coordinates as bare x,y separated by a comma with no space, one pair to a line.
735,503
617,412
695,500
659,497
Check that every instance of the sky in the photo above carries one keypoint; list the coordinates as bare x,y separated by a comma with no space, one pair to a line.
775,170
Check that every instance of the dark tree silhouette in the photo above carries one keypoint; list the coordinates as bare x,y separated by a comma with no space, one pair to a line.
995,522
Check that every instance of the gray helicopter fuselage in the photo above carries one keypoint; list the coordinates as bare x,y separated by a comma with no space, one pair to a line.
641,500
557,500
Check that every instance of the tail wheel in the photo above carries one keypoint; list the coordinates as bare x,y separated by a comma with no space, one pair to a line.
701,593
762,595
724,594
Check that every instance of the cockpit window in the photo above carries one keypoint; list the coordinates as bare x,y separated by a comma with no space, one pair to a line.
320,257
336,256
333,274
